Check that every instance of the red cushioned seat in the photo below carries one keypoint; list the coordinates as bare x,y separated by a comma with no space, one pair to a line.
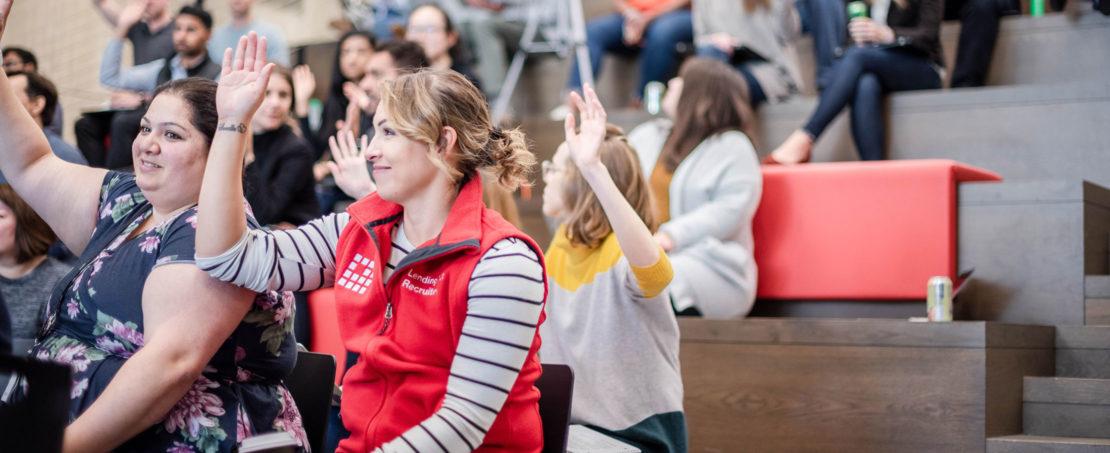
858,230
324,337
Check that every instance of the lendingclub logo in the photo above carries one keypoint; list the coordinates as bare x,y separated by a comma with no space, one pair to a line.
358,275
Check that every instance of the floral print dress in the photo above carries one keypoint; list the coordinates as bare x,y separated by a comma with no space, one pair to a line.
95,323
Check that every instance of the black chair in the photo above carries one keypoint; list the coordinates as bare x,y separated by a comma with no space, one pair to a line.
36,422
310,383
556,386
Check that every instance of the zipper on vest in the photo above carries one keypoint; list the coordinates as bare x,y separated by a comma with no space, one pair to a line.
388,317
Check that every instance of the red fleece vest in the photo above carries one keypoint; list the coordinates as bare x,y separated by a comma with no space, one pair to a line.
406,331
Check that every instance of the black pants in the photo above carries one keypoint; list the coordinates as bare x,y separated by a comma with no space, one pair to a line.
120,128
978,33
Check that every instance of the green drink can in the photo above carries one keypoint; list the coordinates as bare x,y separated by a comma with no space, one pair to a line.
857,9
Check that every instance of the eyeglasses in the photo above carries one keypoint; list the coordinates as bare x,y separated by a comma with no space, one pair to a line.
549,168
424,29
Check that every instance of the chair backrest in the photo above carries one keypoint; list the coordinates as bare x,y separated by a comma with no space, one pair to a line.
556,386
311,387
36,422
324,336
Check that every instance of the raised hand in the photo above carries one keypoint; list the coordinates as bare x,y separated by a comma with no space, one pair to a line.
304,84
349,166
583,144
5,12
243,80
130,15
356,95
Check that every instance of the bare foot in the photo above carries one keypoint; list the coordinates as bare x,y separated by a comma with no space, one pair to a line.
795,149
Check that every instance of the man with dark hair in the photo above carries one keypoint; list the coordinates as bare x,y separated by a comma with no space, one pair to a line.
146,23
191,30
18,59
389,61
39,98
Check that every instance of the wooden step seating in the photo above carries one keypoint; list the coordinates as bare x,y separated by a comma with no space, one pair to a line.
796,385
1055,48
1070,412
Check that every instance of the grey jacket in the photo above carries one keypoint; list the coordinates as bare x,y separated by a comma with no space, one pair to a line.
713,197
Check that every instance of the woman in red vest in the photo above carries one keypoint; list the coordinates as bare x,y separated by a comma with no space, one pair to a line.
440,296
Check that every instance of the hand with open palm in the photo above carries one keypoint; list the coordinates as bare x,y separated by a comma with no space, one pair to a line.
583,144
243,80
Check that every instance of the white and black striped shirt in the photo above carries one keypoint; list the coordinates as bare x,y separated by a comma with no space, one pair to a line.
506,296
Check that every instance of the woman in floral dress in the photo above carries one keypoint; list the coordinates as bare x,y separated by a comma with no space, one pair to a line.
164,357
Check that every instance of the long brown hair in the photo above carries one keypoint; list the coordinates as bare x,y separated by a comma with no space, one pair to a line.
714,100
32,235
424,102
587,224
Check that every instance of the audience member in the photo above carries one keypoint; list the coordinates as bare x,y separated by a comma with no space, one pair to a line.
243,22
39,97
756,37
429,26
278,176
492,29
978,32
472,286
27,274
650,28
191,30
22,60
146,23
144,330
603,251
895,49
352,53
706,183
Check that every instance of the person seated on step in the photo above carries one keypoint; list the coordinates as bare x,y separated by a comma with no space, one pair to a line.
757,38
439,296
162,355
191,30
894,48
351,53
17,59
609,315
429,26
27,274
40,99
705,179
648,28
278,177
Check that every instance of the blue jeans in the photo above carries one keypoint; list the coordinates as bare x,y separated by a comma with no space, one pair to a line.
657,58
755,91
827,22
861,78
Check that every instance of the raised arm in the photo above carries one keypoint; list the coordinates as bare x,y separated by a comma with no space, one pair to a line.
142,77
64,194
634,237
300,259
222,222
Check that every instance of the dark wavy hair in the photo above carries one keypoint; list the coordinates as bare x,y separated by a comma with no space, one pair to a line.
200,94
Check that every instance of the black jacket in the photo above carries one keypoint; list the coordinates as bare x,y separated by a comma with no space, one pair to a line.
279,184
917,27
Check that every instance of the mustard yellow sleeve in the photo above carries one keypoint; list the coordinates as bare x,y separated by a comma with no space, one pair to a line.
655,278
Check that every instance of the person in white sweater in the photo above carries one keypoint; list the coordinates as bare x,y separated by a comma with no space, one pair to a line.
706,182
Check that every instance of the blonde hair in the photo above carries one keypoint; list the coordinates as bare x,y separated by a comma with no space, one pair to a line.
587,224
424,102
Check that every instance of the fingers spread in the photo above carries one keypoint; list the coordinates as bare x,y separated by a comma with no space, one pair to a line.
240,51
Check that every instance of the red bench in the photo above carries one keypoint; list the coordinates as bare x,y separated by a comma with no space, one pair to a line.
324,336
858,230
